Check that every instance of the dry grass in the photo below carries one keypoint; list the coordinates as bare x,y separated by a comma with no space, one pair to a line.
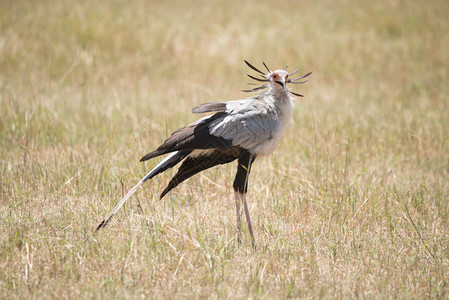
86,88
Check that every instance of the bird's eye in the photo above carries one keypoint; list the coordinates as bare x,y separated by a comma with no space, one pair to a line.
275,76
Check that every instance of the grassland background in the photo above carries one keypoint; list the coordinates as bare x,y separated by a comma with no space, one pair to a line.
88,87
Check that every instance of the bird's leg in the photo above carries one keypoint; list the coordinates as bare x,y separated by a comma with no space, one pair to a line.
241,186
248,220
237,208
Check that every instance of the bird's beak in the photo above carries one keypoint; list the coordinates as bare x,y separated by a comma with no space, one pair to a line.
281,82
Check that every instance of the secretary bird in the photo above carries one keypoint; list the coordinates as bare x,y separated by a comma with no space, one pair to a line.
239,129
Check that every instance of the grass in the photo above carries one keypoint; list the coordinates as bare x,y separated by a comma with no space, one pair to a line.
87,88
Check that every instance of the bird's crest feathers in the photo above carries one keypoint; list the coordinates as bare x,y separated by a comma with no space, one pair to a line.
271,76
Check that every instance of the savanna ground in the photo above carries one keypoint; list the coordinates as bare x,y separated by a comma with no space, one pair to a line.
87,88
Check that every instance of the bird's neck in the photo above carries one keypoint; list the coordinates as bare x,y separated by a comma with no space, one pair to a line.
279,93
281,102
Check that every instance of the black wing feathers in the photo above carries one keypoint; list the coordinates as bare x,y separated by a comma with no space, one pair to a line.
194,136
195,164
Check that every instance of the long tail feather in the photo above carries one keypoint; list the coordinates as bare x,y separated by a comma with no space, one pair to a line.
118,206
165,164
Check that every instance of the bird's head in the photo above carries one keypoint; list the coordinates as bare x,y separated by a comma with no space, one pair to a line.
277,79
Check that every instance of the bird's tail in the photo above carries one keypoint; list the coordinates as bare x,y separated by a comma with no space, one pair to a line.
118,206
165,164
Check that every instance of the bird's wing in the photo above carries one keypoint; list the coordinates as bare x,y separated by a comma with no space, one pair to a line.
247,125
200,160
193,136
